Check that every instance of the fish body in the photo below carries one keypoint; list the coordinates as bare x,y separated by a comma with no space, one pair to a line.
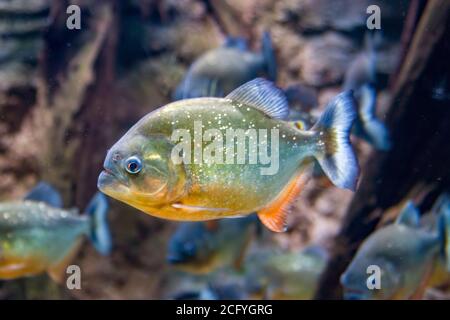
407,255
197,247
219,71
36,237
289,275
215,179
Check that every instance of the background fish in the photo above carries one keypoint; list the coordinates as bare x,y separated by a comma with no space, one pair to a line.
139,169
408,255
292,275
36,235
201,248
219,71
22,27
210,292
361,78
301,98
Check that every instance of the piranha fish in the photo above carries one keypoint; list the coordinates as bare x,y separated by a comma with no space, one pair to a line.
291,275
360,77
199,247
37,235
212,293
301,98
156,168
219,71
441,214
409,257
221,284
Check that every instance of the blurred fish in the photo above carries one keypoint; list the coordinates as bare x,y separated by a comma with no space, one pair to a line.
216,291
360,77
362,70
198,247
408,255
367,126
441,214
219,71
301,98
272,275
142,171
37,236
22,27
441,90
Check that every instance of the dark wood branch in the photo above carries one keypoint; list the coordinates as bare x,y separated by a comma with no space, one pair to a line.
420,127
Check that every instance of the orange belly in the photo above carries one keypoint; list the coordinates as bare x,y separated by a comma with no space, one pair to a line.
13,267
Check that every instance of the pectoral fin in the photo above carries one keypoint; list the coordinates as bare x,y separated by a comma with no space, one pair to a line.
196,208
274,216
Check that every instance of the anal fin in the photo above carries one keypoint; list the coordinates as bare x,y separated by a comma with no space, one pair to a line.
274,216
57,271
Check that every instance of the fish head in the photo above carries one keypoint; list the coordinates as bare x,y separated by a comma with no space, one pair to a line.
190,245
377,270
138,171
358,280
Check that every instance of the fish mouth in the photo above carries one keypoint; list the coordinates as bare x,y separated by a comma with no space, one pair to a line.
109,182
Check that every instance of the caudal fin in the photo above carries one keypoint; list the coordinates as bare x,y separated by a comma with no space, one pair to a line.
268,53
368,126
335,155
100,234
443,211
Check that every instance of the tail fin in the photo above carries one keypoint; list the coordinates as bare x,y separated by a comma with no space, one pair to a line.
336,157
373,40
373,129
100,234
269,56
444,225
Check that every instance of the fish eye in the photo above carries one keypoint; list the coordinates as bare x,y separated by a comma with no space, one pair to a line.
133,165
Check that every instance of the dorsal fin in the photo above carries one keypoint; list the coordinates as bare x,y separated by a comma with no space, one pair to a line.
409,215
264,96
43,192
275,214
